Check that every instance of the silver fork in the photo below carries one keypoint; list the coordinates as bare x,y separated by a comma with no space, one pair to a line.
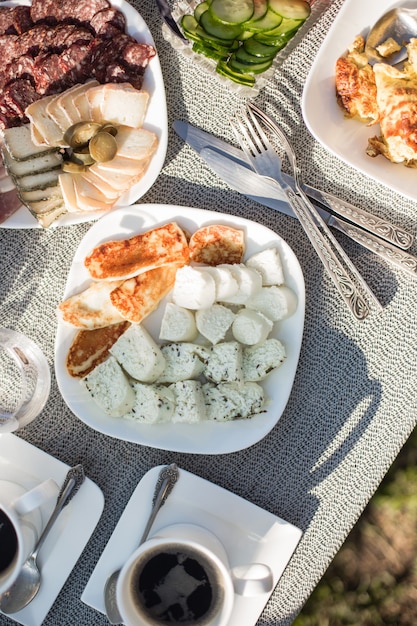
266,162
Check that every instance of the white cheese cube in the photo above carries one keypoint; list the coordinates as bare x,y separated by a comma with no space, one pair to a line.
178,324
275,302
225,282
249,282
189,402
154,404
262,359
139,354
268,264
193,288
181,362
214,322
109,387
250,327
224,363
230,401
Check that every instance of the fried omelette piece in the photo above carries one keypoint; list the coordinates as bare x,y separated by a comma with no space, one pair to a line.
397,104
355,84
91,308
216,244
125,258
91,347
137,297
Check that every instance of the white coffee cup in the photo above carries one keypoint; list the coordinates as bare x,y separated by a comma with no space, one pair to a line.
20,524
180,562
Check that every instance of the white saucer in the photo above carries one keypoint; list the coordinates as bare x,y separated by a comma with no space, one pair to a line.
27,465
248,533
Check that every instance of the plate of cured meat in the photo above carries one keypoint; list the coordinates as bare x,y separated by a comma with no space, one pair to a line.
70,151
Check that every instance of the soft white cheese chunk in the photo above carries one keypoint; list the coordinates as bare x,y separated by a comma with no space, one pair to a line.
225,282
230,401
214,322
181,362
154,404
193,289
268,264
224,363
275,302
260,360
178,324
250,327
249,282
139,354
189,402
109,387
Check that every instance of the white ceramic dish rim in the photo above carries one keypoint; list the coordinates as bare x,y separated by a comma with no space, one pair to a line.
248,533
206,437
156,120
347,139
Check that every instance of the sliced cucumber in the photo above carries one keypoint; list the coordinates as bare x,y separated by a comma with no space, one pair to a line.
260,7
210,52
250,59
218,29
258,49
232,11
287,27
200,9
294,9
238,77
253,68
195,32
268,22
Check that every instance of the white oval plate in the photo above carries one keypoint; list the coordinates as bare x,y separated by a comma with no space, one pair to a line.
348,138
204,437
156,120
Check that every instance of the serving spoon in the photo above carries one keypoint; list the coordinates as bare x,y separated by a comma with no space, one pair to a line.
167,478
399,24
28,582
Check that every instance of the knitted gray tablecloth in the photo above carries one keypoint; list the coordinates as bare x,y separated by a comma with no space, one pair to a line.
353,402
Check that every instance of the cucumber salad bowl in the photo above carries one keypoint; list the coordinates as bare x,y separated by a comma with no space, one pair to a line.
239,41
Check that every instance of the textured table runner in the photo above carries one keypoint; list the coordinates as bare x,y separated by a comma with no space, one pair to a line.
353,402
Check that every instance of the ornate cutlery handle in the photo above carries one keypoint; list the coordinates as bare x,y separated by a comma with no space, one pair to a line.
375,225
391,254
347,289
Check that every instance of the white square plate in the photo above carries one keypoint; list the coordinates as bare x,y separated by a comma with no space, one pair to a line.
348,138
205,437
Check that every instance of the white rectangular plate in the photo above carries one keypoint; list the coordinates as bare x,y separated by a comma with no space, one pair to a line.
156,120
248,533
205,437
348,138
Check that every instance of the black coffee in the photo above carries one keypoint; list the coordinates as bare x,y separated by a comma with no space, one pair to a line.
177,587
8,541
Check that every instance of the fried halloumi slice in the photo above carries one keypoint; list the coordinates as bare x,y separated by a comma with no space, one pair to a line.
126,258
91,347
216,244
91,308
137,297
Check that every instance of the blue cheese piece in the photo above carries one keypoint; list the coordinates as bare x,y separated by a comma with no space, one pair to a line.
189,402
230,401
214,322
262,359
268,264
178,324
224,363
139,354
109,387
275,302
154,404
181,362
250,327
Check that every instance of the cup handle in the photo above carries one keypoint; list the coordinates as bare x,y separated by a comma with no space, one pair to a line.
36,497
252,579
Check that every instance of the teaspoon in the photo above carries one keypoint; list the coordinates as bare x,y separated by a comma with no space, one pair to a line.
28,582
167,478
399,24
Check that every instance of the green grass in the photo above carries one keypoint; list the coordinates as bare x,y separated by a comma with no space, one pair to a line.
373,579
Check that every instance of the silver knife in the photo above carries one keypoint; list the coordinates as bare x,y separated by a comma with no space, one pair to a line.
270,194
199,139
166,15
